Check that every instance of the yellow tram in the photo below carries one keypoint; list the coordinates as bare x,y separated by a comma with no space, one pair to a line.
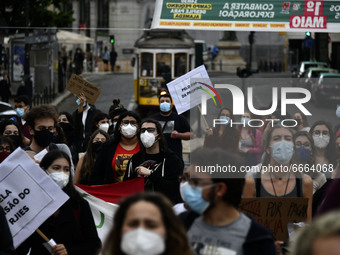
160,56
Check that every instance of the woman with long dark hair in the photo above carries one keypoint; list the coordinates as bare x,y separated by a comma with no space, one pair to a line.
86,163
72,227
112,162
160,167
146,224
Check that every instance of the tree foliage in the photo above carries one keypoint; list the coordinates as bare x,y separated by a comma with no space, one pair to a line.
42,13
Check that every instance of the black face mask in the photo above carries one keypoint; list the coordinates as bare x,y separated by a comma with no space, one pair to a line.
298,121
16,140
68,131
97,147
67,128
43,138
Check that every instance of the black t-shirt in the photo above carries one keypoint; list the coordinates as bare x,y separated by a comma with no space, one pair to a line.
169,124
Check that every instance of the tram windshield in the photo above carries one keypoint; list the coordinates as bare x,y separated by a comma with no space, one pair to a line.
163,64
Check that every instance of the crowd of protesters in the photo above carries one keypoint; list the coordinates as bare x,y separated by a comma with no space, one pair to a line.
93,147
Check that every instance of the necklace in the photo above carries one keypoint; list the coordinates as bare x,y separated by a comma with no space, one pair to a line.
279,177
271,179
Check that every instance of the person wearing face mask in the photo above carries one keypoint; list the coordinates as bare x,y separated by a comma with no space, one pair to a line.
160,167
324,142
279,149
42,121
82,119
100,121
86,162
304,154
145,224
213,222
111,163
73,134
11,129
22,106
223,136
6,147
302,122
175,127
72,226
250,145
116,109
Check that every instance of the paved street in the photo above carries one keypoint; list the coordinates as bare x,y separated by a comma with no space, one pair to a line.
112,85
121,86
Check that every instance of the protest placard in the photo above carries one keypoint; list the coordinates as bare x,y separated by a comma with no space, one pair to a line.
187,90
77,85
27,194
275,213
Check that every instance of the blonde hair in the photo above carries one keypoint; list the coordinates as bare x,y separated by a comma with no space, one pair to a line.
327,225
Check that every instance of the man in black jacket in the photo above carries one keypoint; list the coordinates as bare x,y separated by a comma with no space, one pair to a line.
82,118
160,167
214,224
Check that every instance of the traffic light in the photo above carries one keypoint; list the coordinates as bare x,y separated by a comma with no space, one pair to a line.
308,34
112,39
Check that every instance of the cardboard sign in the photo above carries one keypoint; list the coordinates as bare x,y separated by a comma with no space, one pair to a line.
186,91
27,195
275,213
77,85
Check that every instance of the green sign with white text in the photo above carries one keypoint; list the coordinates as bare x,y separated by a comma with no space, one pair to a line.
277,15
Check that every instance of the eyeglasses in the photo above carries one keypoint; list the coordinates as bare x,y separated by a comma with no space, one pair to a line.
7,148
127,122
149,129
318,133
299,144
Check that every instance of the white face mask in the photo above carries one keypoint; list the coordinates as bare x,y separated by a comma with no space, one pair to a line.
142,242
128,130
104,127
60,178
321,141
148,139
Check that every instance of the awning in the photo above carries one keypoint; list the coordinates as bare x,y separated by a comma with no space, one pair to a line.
67,37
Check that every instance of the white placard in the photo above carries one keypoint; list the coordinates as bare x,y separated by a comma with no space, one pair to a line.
40,155
186,91
27,194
